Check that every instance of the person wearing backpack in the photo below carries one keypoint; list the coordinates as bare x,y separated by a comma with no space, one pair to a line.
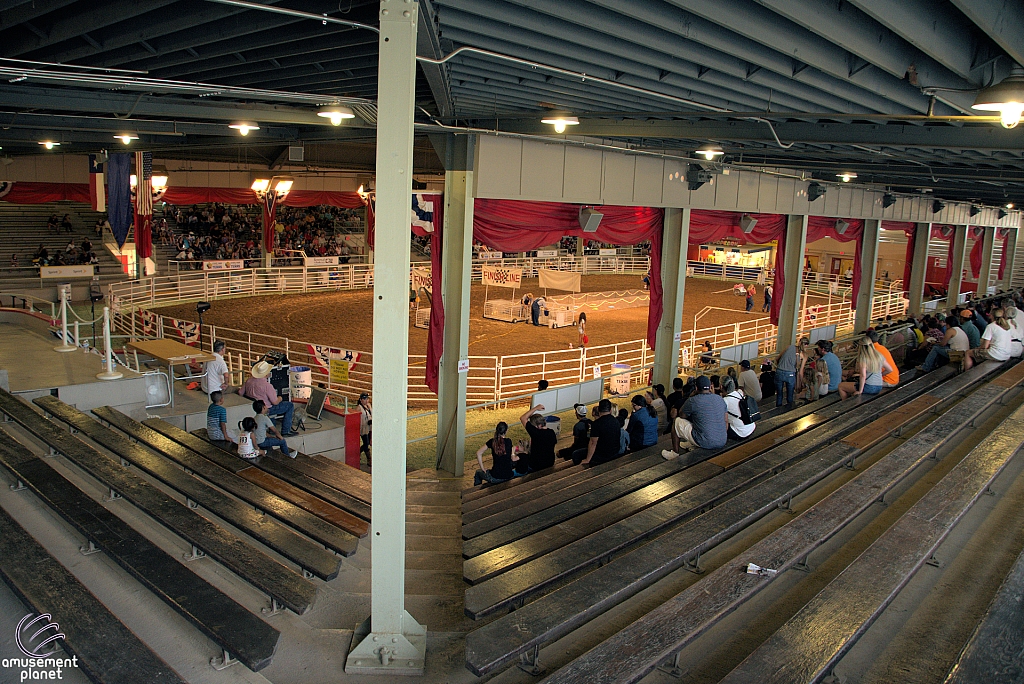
735,406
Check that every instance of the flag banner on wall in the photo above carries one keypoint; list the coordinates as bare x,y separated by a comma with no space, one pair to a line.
500,276
323,356
423,212
148,321
144,204
186,331
97,186
120,212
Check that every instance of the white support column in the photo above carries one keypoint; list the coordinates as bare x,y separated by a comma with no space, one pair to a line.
456,269
789,312
390,642
919,267
674,241
868,270
1011,258
956,278
987,247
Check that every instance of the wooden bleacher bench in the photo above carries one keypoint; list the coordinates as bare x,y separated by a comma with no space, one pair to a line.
303,552
351,481
106,651
238,632
808,645
223,470
993,654
639,648
282,584
599,509
277,465
567,608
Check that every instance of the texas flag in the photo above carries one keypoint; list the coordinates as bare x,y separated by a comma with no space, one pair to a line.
97,187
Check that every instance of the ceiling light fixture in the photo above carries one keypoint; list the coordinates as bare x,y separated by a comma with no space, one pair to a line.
159,178
846,176
244,127
888,199
1005,97
709,152
560,121
49,144
336,114
1009,205
126,138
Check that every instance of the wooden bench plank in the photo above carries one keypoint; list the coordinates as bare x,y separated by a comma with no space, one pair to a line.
106,650
307,501
752,447
219,617
870,435
334,538
824,630
293,546
239,556
636,650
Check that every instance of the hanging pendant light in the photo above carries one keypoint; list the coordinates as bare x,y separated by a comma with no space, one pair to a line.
1005,97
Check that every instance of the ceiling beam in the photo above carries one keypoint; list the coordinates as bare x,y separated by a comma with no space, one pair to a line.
428,44
1001,20
29,10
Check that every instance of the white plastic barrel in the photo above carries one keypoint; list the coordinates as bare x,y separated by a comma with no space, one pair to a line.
300,375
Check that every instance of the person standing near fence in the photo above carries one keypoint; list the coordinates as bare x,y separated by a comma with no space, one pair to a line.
751,291
768,291
365,426
216,376
785,377
581,328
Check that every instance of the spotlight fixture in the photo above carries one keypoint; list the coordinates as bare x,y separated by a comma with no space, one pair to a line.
846,176
937,206
1005,97
814,191
747,223
159,178
260,185
1009,205
841,226
974,210
560,121
336,114
1002,213
126,138
244,127
49,144
696,176
888,199
709,152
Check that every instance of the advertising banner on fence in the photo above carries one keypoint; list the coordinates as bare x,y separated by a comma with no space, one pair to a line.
148,320
339,372
421,278
490,256
547,253
567,281
322,261
324,355
226,265
502,276
83,271
186,331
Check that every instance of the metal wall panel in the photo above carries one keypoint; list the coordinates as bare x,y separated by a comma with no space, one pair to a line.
543,171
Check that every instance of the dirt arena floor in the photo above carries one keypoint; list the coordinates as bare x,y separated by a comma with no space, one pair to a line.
344,319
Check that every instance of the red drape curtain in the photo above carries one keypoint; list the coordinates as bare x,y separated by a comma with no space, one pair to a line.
1002,256
20,192
819,227
435,329
978,235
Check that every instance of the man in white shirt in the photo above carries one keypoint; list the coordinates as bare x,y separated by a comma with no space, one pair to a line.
749,382
996,341
737,428
216,376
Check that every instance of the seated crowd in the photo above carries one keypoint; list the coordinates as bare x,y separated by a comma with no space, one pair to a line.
317,231
214,232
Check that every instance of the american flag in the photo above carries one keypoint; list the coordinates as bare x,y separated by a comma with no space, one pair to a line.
144,204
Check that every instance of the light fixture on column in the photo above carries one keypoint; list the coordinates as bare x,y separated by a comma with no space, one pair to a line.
888,199
814,191
126,138
937,206
709,152
1009,205
279,185
336,114
49,144
159,178
1005,97
560,121
974,210
244,127
841,226
747,223
846,176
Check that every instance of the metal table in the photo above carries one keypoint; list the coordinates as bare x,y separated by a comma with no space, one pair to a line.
172,354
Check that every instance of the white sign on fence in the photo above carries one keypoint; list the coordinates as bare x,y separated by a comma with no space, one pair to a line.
227,265
83,271
564,398
421,278
502,276
547,253
607,252
322,261
825,332
490,256
736,353
463,365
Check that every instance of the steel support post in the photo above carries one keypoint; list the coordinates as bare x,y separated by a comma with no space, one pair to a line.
956,269
1011,259
674,241
868,271
390,642
919,267
793,269
456,269
985,274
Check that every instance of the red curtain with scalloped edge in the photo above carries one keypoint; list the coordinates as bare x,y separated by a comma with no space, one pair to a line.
820,227
1002,255
435,328
22,192
520,226
978,235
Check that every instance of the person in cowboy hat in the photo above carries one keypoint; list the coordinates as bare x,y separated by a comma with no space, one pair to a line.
258,387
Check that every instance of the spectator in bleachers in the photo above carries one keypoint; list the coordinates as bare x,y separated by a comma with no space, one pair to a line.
265,424
580,435
892,377
1016,327
14,261
542,440
702,423
623,418
996,341
216,377
737,428
767,379
502,458
643,424
604,437
66,224
832,363
870,367
785,376
217,421
656,400
954,340
748,382
247,448
365,427
258,387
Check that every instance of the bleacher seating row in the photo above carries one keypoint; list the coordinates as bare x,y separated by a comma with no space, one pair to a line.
286,514
563,547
